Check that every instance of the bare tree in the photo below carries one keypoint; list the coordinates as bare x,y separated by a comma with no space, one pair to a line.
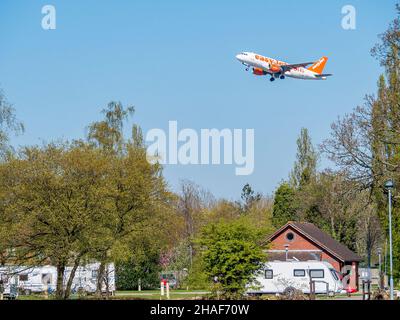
350,146
192,202
369,233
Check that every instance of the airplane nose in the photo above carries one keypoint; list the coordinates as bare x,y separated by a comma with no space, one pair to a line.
238,56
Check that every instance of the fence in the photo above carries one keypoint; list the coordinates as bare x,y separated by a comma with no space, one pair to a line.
312,288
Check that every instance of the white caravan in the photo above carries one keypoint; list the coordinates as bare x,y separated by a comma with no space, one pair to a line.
8,283
86,278
38,279
276,276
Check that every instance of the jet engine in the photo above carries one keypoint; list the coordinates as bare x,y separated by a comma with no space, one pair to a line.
274,68
259,72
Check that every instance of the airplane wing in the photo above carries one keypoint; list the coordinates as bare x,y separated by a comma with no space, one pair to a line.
324,75
288,67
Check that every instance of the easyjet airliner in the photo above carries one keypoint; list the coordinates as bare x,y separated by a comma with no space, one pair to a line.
262,66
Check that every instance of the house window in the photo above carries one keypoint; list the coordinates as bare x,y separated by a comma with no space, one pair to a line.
299,272
95,273
317,273
269,274
23,277
290,236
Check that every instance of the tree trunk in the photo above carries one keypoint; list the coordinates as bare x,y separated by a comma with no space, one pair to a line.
107,283
333,227
60,281
67,291
100,278
369,253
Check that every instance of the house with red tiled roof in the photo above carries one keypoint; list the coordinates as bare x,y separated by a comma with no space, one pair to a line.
304,241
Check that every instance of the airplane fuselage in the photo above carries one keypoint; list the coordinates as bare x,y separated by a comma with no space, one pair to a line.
264,65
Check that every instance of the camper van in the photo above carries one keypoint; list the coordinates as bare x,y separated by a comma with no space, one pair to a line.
29,280
278,276
9,283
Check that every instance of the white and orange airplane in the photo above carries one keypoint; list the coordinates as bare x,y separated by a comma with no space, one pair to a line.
263,66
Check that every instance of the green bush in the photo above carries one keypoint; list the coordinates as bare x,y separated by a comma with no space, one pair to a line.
145,268
230,254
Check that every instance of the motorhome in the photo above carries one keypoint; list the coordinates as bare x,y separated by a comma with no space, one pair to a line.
277,276
29,280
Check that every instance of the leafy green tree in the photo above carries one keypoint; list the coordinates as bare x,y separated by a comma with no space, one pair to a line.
305,167
138,185
249,197
8,123
197,279
53,198
141,269
231,255
285,205
70,203
137,199
332,203
365,145
386,131
108,133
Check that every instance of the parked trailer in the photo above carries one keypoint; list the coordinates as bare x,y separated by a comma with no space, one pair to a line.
278,276
85,279
8,283
34,279
44,278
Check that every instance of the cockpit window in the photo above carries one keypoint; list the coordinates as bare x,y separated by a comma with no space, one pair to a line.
244,53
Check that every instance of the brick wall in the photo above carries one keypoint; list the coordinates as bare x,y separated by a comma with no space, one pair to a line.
299,242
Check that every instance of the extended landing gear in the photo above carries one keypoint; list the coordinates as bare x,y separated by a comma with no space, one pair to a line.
276,76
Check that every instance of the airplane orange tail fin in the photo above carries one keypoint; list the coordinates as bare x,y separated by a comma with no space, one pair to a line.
319,66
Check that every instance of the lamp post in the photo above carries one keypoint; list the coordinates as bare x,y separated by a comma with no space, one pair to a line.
286,251
389,185
380,267
385,258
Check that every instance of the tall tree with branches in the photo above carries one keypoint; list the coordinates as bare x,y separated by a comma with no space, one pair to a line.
365,144
305,167
8,124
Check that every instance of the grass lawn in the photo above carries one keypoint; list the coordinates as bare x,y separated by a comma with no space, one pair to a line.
155,294
144,294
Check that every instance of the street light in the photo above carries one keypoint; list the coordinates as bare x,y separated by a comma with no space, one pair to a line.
380,267
389,185
286,251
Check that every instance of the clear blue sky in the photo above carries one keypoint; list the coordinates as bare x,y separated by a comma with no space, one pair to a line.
175,60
